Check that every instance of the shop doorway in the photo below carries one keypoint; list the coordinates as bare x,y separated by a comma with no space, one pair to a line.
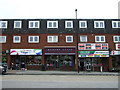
88,64
22,61
81,64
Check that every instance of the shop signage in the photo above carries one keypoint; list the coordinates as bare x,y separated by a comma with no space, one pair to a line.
59,51
115,52
26,52
93,46
117,46
93,53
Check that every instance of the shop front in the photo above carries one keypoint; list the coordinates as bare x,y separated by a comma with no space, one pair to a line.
115,60
93,60
59,58
26,58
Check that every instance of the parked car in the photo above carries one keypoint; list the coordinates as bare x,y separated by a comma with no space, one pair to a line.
2,70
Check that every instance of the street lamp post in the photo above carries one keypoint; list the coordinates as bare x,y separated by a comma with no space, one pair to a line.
77,41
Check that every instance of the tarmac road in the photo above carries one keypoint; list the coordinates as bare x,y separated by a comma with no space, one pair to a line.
59,81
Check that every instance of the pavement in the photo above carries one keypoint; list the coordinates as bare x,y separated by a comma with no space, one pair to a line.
38,72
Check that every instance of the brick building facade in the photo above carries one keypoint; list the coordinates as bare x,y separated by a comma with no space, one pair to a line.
61,44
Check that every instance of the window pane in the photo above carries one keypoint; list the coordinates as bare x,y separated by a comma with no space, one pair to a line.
36,24
97,39
97,24
82,24
31,24
3,24
83,38
31,38
2,39
17,24
114,24
16,38
54,38
69,39
119,38
101,24
102,38
50,39
54,24
119,24
68,24
50,24
116,38
35,38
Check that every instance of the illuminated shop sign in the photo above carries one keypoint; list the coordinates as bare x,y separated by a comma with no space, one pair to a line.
115,52
59,51
117,46
93,46
26,52
93,53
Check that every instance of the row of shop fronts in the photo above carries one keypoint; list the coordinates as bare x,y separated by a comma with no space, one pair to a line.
64,58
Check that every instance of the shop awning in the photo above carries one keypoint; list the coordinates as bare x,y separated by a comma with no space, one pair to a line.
25,51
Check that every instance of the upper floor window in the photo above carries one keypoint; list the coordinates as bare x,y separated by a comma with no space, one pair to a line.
83,38
33,39
52,39
99,38
17,24
82,24
116,38
99,24
52,24
115,24
16,39
68,24
34,24
69,39
2,39
3,24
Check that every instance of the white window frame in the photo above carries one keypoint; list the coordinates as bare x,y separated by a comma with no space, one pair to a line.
33,39
34,24
99,24
71,39
82,22
117,37
3,41
116,24
3,22
68,22
18,22
99,38
52,24
52,39
81,40
18,40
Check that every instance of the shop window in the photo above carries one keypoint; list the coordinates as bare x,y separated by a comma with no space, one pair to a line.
34,60
83,38
82,24
2,39
52,39
33,39
69,39
68,24
34,24
52,24
17,24
17,39
99,38
3,24
99,24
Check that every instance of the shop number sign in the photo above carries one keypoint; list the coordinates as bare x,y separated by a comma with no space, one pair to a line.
93,53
